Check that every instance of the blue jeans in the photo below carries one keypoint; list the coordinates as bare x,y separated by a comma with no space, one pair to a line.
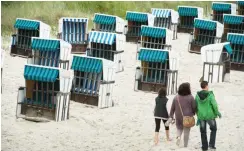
203,129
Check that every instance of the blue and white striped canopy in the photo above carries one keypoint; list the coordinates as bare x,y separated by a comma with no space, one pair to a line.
102,37
74,29
76,20
234,38
163,13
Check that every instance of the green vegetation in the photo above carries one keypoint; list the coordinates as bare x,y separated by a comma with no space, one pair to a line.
51,12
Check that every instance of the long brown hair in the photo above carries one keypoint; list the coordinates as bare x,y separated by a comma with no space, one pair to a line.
162,92
184,89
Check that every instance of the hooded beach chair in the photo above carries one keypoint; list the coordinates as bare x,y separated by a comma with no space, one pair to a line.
74,31
107,45
220,8
108,23
135,21
93,81
240,7
187,14
50,52
159,68
46,93
25,29
233,24
237,44
155,38
166,18
216,62
205,32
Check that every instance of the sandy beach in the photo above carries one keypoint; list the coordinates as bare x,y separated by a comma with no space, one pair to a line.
129,125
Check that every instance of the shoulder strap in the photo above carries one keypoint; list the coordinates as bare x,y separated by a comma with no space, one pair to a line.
180,105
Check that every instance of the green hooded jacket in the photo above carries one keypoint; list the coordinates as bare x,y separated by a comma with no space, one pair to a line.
207,108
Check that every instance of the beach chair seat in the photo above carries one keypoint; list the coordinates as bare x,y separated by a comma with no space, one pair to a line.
74,31
158,69
25,30
93,80
205,32
135,21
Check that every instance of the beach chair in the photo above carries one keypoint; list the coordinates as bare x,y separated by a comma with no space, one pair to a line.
46,93
187,14
50,52
233,24
220,8
240,8
107,45
25,29
75,32
166,18
93,81
205,32
155,38
159,68
108,23
135,21
216,62
237,44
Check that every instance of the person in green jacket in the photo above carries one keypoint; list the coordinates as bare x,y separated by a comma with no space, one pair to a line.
207,111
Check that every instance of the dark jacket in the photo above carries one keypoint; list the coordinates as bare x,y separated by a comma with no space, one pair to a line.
160,107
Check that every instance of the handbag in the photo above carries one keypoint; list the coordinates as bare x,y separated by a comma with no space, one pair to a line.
188,121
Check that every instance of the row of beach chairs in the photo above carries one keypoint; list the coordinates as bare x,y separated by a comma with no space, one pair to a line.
81,65
54,74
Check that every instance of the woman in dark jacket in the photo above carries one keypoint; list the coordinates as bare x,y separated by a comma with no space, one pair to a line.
188,105
161,113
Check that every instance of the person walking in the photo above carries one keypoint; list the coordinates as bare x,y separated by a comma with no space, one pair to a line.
161,113
183,105
207,111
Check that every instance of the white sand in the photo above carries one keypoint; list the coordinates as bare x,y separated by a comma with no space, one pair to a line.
129,126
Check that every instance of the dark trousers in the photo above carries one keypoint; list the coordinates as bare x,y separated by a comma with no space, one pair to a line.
203,129
158,122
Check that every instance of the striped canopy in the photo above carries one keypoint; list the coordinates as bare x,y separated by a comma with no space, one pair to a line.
135,16
162,13
221,6
187,11
74,30
102,37
233,19
228,48
104,19
75,20
45,44
39,73
236,38
86,64
153,55
241,3
205,24
26,24
155,32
